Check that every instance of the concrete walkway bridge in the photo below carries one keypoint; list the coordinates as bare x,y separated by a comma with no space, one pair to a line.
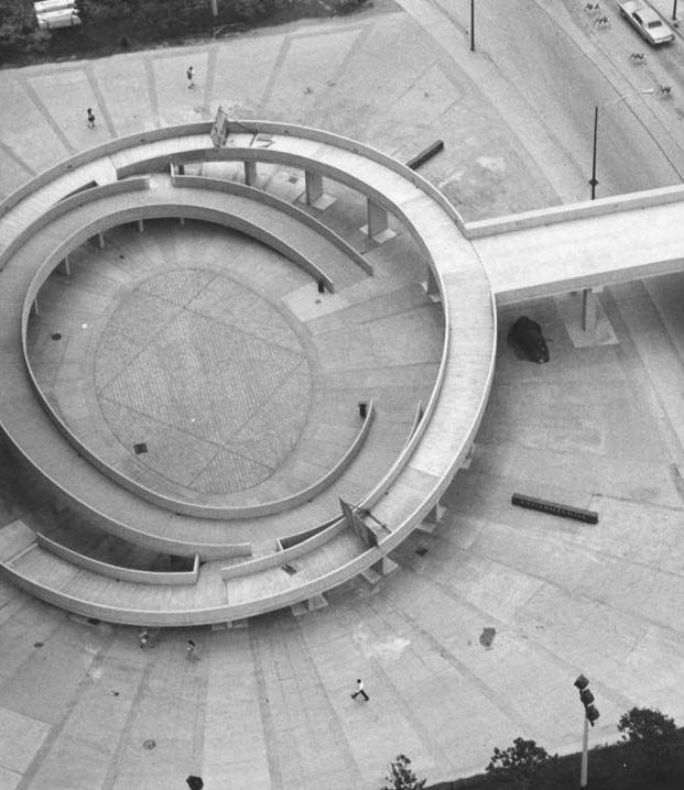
127,542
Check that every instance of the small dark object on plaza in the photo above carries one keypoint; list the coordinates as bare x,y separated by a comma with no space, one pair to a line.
420,159
526,339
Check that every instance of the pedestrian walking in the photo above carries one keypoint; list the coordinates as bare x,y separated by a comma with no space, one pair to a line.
143,637
191,648
191,77
360,690
91,118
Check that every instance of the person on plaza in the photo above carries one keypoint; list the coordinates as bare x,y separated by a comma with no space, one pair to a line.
191,77
191,648
91,118
143,637
360,690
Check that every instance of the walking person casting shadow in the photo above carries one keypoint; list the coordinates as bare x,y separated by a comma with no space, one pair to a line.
360,690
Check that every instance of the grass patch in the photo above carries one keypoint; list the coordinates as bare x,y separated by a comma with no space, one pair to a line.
619,766
110,26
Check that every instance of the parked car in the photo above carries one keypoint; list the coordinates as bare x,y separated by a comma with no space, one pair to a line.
52,14
65,17
527,341
647,21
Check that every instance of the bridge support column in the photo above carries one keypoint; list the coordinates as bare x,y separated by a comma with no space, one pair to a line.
314,195
35,307
430,286
310,605
432,519
101,240
235,624
250,173
385,566
141,225
589,309
377,228
64,266
379,570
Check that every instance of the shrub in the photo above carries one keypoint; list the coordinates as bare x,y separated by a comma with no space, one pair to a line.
652,736
401,776
524,763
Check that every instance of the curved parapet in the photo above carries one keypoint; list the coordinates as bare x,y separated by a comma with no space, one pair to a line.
36,232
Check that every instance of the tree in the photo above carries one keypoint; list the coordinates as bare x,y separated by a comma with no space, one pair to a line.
401,776
523,763
652,736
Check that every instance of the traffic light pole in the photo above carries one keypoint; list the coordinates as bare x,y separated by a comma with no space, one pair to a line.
585,754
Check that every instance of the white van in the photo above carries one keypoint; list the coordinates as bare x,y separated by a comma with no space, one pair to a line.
65,17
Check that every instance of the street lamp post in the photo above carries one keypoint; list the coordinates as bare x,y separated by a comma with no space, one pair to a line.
593,181
674,11
591,714
472,25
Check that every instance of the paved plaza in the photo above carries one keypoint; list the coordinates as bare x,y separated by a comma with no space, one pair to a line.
478,636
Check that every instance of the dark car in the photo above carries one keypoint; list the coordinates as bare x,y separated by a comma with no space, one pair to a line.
527,340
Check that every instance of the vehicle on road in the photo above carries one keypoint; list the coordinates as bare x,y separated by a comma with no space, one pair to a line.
527,341
647,21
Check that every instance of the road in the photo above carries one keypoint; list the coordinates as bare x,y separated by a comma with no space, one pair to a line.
552,57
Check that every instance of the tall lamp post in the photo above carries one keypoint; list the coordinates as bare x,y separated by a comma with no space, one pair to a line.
591,714
674,11
593,181
472,25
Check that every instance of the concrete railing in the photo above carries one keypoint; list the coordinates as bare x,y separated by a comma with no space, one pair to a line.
273,156
87,157
366,558
122,573
205,511
259,195
310,539
69,204
584,210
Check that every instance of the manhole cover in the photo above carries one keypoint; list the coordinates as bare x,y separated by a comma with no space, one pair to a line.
56,336
149,744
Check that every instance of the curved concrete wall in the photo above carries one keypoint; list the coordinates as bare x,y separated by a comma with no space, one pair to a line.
69,204
442,477
233,188
134,575
206,511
